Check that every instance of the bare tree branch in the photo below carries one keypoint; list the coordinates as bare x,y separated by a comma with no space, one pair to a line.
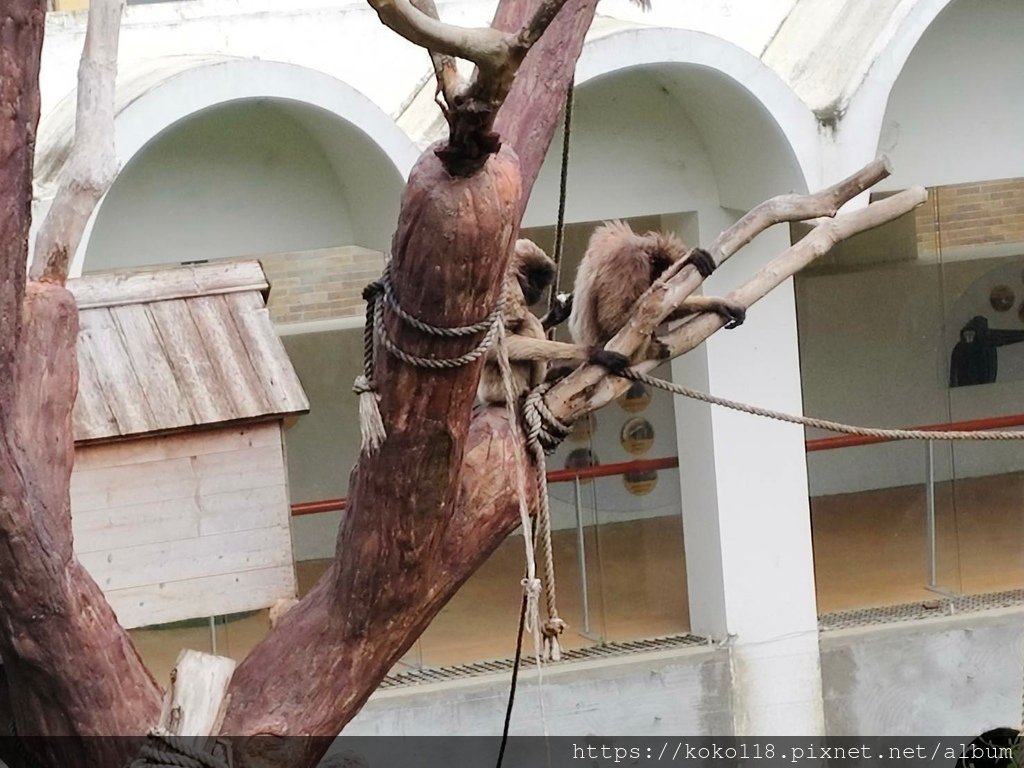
590,387
797,208
826,233
488,48
92,164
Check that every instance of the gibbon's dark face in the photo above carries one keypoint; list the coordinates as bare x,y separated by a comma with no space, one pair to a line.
534,279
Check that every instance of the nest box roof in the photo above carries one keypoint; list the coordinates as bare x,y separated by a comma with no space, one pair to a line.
166,350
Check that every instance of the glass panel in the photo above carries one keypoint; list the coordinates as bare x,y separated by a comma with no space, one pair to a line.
919,322
989,503
979,237
872,546
640,528
870,321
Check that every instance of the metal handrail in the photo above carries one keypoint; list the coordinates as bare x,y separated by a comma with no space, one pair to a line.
554,476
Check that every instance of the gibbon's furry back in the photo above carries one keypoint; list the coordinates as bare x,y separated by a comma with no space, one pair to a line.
618,266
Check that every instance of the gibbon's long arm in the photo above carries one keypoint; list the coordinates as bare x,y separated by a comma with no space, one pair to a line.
732,311
524,348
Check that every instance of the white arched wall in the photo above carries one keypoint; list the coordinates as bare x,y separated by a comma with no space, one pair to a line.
316,100
240,179
862,131
719,82
696,131
956,112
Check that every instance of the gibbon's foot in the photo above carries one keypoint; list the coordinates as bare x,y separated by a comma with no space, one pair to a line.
658,349
612,361
702,260
560,310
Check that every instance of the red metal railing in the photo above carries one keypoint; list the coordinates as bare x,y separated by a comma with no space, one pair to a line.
671,462
554,476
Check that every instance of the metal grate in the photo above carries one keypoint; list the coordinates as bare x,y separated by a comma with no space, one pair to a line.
462,671
941,606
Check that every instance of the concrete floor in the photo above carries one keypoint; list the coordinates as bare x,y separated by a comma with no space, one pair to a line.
870,550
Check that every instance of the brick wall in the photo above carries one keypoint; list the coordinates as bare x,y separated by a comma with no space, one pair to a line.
979,213
320,285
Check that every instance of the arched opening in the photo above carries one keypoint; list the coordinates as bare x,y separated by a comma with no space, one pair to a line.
881,318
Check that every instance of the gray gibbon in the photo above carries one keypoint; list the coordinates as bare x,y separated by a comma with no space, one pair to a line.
618,266
530,275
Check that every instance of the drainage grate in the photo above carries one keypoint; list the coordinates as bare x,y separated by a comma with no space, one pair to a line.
941,606
462,671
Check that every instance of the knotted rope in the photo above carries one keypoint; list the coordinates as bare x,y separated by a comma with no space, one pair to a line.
531,584
378,294
810,421
544,432
164,750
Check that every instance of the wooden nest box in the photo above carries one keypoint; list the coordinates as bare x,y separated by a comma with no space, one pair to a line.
179,496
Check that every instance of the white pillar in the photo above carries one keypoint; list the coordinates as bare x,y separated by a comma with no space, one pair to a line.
746,517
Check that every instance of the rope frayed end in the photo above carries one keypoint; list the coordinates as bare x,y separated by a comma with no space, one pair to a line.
371,425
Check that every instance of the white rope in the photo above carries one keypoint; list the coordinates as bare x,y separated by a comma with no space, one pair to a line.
810,421
376,295
531,584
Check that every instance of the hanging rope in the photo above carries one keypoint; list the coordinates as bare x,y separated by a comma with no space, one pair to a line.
545,432
809,421
378,294
563,190
531,584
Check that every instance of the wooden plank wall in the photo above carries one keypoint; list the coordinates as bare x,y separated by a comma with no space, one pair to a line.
185,526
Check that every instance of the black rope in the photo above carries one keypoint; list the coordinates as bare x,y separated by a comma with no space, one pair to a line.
515,680
559,238
563,186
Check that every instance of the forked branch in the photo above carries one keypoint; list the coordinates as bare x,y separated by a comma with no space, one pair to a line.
470,109
92,163
589,387
488,48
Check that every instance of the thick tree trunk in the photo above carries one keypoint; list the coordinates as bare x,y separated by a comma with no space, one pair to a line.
70,668
453,240
21,42
534,106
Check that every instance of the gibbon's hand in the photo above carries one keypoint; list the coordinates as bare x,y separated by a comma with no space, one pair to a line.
560,310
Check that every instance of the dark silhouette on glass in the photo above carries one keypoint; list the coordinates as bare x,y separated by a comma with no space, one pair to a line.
974,359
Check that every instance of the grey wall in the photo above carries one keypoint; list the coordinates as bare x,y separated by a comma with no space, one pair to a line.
664,693
874,350
954,676
957,676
